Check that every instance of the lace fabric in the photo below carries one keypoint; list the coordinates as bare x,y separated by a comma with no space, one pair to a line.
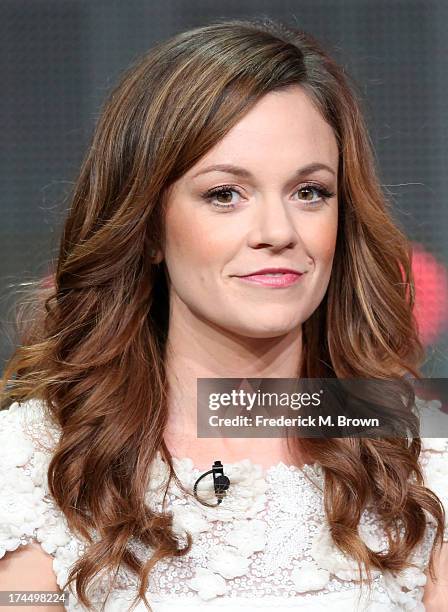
266,545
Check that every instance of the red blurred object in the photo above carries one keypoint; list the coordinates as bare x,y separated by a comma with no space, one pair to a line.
431,294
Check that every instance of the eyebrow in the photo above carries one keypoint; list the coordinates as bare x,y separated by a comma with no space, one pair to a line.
242,172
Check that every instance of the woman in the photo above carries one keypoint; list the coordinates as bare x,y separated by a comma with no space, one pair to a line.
149,295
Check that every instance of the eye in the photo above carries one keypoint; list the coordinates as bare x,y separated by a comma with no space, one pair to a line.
218,191
323,194
227,190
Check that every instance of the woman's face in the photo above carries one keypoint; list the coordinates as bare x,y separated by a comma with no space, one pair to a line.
274,215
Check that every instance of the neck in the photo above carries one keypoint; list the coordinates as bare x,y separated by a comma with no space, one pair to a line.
200,349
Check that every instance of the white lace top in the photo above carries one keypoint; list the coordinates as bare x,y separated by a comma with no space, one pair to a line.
266,546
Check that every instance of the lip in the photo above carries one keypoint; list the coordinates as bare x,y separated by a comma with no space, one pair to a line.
272,270
287,279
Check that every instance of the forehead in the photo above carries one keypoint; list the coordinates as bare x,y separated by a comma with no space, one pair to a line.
283,129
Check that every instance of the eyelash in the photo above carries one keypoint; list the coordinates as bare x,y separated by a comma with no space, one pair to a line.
324,195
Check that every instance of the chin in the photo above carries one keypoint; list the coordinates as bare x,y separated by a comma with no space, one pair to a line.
271,330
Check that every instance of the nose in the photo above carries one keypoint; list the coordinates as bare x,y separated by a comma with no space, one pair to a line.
272,225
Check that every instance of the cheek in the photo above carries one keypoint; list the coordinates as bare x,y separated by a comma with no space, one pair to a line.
189,243
320,240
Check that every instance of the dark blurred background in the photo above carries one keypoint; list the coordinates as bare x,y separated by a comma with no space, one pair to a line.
60,58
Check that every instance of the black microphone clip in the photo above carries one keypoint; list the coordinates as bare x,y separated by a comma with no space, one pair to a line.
220,483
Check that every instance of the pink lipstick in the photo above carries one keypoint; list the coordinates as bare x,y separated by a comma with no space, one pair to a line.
283,279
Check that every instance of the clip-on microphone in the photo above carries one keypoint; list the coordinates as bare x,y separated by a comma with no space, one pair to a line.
220,483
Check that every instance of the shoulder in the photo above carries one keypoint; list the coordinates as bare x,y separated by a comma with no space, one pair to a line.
28,513
27,440
406,587
31,421
434,463
434,454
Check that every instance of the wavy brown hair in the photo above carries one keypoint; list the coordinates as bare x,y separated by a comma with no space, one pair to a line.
94,348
